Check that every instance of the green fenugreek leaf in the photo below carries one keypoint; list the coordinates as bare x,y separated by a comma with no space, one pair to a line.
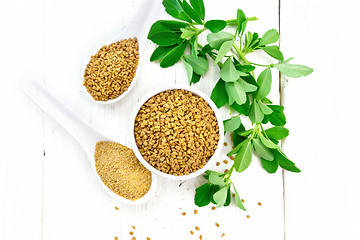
216,180
262,151
199,65
219,95
264,82
270,166
269,37
293,70
236,91
215,25
224,49
256,115
228,72
268,143
265,109
199,7
277,132
238,200
215,40
203,195
274,52
188,69
191,12
232,124
220,196
160,52
243,158
173,56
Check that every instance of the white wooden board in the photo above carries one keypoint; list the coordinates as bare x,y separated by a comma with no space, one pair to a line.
48,190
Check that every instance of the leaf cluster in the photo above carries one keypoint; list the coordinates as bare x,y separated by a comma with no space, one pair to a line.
238,87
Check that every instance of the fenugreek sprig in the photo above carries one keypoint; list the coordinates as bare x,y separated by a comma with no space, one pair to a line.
238,87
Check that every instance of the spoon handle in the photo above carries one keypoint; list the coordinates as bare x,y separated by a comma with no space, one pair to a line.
141,21
81,131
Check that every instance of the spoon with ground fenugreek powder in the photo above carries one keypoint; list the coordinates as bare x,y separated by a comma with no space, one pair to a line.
116,165
112,71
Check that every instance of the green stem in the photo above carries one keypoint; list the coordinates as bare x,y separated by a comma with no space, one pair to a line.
234,21
260,65
241,55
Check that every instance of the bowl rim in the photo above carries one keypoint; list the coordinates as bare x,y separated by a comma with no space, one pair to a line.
212,159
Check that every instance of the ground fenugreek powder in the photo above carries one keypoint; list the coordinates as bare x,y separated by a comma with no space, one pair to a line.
111,70
121,171
176,131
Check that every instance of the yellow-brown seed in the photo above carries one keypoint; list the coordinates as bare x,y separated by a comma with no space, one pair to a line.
233,194
191,232
184,213
223,234
176,132
248,216
120,170
218,225
111,70
197,228
133,238
133,227
243,200
217,163
116,238
195,211
200,237
148,238
226,161
259,203
116,208
131,233
232,158
213,208
225,144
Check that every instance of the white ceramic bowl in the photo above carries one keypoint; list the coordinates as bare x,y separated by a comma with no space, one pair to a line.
211,161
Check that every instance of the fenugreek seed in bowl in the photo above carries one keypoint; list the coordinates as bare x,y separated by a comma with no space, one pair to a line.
111,71
177,133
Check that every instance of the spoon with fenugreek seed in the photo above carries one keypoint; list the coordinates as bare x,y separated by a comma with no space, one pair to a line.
112,71
121,173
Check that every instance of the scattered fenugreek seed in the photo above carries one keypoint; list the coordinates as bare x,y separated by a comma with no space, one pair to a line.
184,213
116,208
111,70
223,234
226,170
197,228
217,163
191,232
120,170
225,144
131,233
195,211
259,203
218,225
243,200
148,238
133,227
248,216
176,132
226,161
233,194
133,238
232,158
213,208
200,237
116,238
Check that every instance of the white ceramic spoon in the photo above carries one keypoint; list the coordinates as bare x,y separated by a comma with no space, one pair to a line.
86,135
139,27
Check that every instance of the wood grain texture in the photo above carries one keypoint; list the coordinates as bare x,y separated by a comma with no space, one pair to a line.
48,190
322,201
